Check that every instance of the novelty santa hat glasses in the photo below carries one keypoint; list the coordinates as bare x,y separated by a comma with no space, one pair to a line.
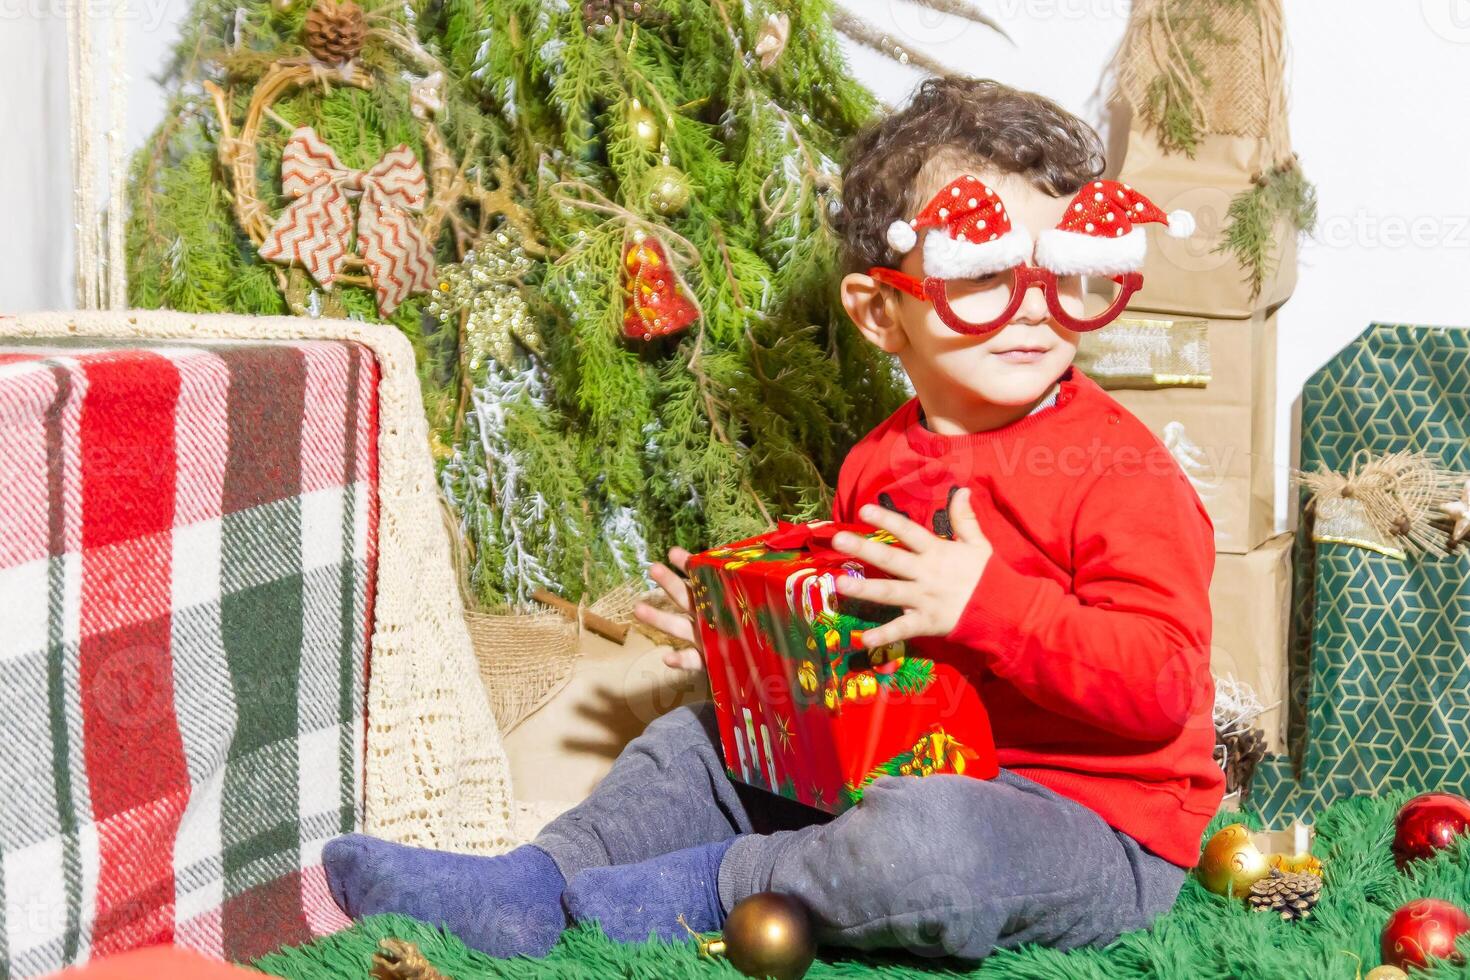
972,237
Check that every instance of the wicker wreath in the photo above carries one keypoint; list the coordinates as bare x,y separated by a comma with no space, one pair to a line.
238,155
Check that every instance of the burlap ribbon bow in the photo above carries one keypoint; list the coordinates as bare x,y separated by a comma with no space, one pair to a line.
316,229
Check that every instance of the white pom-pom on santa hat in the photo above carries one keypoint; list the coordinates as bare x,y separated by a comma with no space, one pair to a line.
1181,224
901,237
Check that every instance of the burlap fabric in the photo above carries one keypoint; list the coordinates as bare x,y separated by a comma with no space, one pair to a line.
1237,84
519,683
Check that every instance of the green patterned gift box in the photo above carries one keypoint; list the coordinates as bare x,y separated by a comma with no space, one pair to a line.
1379,659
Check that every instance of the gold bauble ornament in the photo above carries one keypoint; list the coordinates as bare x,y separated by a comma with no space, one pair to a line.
1231,862
1386,972
668,189
644,126
806,675
867,685
767,935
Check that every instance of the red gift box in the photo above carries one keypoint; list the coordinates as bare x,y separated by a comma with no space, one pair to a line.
804,710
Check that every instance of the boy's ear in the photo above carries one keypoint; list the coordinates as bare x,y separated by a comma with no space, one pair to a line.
874,310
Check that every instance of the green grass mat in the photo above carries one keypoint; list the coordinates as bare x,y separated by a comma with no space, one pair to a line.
1204,938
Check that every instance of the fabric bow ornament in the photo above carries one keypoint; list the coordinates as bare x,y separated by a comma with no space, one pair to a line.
316,229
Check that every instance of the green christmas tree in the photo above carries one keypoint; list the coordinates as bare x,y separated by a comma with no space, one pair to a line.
556,137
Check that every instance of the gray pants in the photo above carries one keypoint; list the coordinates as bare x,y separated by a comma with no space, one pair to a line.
939,865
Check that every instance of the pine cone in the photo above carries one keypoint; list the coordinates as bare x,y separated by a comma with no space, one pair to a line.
1242,752
335,31
398,959
1292,896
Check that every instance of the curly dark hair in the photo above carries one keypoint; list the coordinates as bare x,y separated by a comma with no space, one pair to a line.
955,122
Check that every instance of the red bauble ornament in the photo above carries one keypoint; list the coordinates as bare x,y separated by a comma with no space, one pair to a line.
656,304
1421,930
1428,823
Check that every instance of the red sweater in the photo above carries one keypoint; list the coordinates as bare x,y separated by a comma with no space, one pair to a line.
1089,632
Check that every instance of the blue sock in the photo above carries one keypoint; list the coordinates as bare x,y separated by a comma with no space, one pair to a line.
505,905
632,900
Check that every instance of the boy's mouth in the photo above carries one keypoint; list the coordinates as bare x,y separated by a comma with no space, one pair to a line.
1021,355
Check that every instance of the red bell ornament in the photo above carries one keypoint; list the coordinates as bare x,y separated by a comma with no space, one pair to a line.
1421,930
1429,823
655,301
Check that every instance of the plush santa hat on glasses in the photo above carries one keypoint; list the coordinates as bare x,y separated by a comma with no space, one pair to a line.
1097,236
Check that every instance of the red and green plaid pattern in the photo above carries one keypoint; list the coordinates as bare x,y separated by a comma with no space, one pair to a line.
187,544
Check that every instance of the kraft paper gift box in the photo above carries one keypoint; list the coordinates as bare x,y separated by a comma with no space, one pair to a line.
1188,276
804,710
1250,599
1207,388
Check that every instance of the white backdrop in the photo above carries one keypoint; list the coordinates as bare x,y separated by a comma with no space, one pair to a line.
1378,113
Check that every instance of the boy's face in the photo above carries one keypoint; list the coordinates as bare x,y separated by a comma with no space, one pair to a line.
1011,366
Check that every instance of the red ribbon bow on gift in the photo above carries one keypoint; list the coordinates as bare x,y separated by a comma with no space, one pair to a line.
809,537
316,229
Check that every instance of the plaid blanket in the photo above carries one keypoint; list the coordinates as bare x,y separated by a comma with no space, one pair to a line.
187,539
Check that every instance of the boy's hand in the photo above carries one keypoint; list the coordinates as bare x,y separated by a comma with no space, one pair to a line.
680,625
932,581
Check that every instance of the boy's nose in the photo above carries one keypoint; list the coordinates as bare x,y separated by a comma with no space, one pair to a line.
1033,306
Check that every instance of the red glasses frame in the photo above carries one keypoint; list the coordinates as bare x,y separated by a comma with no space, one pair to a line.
934,290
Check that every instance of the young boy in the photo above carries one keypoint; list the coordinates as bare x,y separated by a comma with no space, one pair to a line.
1051,549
